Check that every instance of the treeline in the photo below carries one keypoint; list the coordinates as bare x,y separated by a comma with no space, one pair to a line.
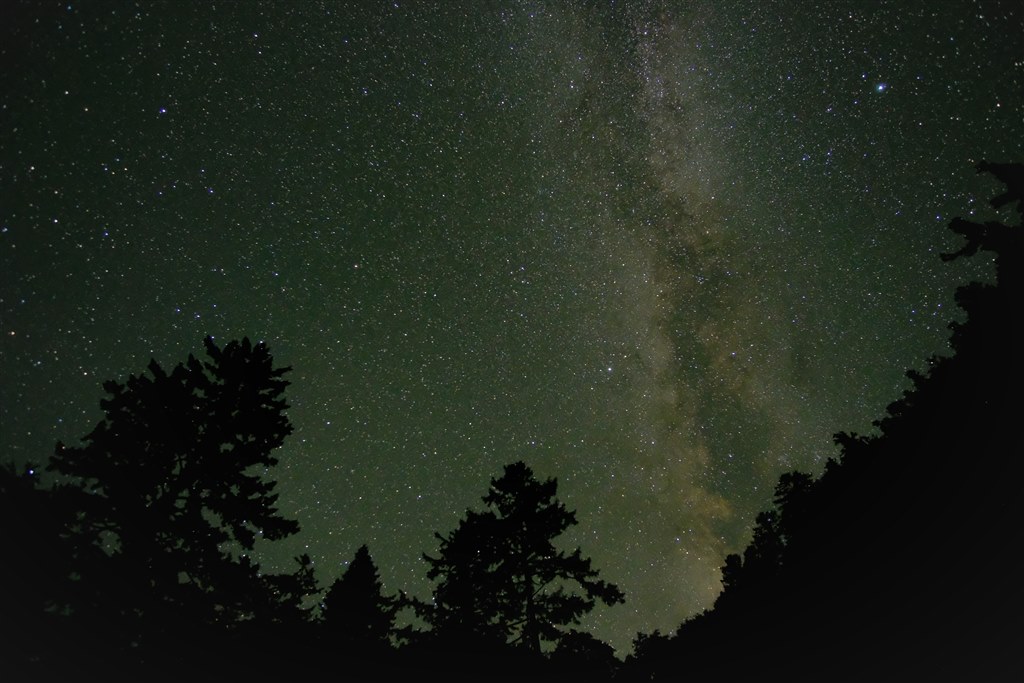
136,564
902,561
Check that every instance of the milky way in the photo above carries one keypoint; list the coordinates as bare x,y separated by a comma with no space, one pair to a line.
661,251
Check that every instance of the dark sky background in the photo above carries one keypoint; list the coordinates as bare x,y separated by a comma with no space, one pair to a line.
661,251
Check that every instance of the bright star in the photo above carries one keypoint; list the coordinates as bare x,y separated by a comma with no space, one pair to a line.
882,87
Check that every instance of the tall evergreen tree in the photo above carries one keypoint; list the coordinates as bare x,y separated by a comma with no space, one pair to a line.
499,573
356,608
171,486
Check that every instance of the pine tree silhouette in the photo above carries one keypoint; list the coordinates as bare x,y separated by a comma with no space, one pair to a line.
355,608
500,576
165,501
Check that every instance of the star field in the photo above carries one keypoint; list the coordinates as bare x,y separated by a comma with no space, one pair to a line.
661,251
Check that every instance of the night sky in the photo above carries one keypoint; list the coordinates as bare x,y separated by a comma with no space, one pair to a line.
660,251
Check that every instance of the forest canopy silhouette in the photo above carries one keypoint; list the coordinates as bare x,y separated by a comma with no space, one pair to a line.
902,560
132,557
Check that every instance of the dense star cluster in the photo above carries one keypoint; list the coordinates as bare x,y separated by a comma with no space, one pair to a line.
661,251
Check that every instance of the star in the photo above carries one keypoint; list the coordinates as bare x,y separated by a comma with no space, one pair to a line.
648,199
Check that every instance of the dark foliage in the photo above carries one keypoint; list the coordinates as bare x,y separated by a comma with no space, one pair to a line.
902,561
581,656
34,573
137,564
355,608
499,576
145,543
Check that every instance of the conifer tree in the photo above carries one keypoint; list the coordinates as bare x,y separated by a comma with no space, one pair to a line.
171,489
500,575
356,608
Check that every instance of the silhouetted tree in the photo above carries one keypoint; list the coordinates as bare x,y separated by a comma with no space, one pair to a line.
171,487
581,656
902,560
500,575
355,607
33,574
652,653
